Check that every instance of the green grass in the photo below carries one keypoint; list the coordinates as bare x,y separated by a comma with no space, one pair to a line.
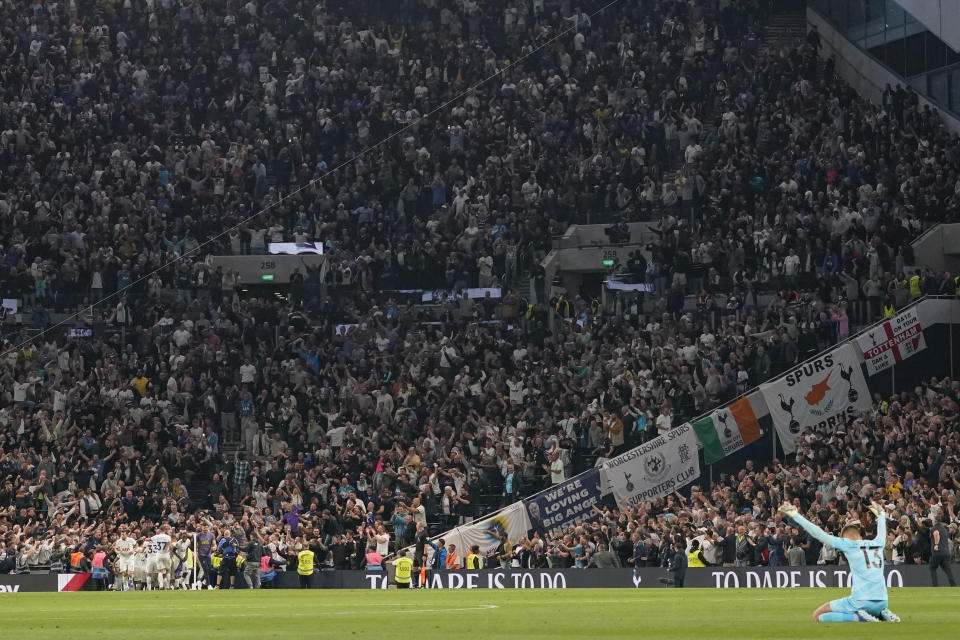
530,615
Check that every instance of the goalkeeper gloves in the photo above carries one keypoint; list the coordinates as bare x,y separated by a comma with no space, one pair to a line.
788,510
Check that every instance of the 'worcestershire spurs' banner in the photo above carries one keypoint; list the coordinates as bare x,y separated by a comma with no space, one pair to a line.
654,469
818,394
567,503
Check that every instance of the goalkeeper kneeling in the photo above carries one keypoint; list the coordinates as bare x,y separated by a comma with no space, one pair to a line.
867,601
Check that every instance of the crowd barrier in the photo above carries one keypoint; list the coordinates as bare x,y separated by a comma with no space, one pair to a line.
708,578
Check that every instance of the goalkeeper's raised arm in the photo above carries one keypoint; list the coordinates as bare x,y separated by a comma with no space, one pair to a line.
791,512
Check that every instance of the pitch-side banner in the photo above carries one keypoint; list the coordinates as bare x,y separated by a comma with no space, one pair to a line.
818,394
891,342
49,582
567,503
654,469
811,577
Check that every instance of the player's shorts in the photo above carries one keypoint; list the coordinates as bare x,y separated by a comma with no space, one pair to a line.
228,567
157,563
125,565
852,605
139,569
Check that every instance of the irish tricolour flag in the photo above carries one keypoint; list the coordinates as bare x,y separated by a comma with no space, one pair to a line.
727,430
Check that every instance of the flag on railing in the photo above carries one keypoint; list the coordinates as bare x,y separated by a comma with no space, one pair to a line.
727,430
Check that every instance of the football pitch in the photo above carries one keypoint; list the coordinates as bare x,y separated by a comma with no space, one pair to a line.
535,614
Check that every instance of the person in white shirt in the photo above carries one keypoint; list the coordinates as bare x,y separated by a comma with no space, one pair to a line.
158,559
382,538
248,373
664,421
181,337
791,264
125,548
418,511
517,391
556,469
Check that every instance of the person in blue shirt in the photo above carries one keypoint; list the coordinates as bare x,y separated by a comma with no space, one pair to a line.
867,601
228,548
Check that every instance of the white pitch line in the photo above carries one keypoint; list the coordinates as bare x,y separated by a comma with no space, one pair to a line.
391,611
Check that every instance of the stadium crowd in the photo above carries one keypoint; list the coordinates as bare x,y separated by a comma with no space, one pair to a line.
143,137
903,455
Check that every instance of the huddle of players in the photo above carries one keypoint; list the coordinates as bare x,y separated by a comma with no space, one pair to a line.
147,563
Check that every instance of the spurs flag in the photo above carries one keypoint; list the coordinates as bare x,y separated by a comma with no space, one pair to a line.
819,394
892,341
654,469
727,430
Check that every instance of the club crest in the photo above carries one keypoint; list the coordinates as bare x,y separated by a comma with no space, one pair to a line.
727,432
654,467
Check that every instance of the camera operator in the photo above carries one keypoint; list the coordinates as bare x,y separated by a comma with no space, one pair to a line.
677,566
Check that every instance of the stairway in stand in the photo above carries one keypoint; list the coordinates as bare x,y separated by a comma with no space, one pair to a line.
231,449
786,28
521,284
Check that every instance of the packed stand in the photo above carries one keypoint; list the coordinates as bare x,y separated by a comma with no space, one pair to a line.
411,416
903,455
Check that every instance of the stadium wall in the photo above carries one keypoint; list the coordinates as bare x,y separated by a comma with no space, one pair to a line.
863,73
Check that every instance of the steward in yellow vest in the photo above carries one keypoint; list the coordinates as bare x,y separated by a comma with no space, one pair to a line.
305,567
889,310
404,567
474,561
915,291
695,558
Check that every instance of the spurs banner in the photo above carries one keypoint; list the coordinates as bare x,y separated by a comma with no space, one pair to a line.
892,341
818,394
511,521
567,503
654,469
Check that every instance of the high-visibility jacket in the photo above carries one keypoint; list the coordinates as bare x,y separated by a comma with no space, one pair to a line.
404,567
956,285
889,311
75,559
474,561
373,560
693,559
915,286
452,559
305,562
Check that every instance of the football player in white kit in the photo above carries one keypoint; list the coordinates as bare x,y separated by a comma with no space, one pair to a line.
158,559
125,548
140,564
